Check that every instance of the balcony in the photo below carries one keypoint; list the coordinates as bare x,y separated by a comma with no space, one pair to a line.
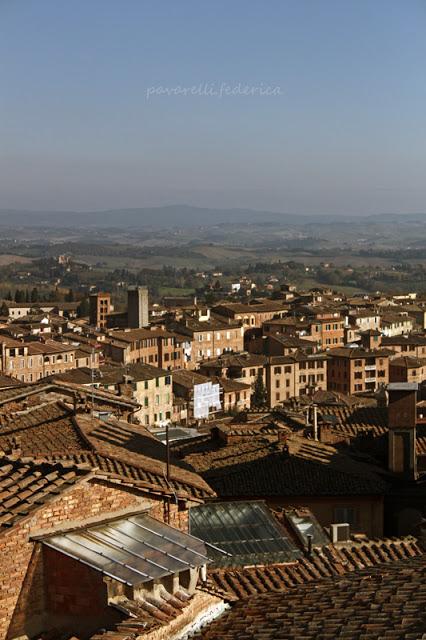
370,367
371,379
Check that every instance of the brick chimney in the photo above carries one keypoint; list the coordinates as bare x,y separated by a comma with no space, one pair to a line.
402,428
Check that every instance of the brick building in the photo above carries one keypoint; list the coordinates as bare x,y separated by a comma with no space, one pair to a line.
32,361
66,473
242,367
157,347
252,315
208,338
99,308
406,345
352,370
290,376
407,369
326,332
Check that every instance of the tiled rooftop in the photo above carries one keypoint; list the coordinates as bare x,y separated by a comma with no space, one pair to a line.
332,560
127,454
26,484
304,467
382,602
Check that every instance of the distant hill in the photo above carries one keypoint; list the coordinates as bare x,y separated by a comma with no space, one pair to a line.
175,216
152,217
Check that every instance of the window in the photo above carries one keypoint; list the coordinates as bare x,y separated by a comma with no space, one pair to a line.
277,397
146,402
277,370
287,369
358,363
277,384
358,375
167,380
157,400
252,372
166,357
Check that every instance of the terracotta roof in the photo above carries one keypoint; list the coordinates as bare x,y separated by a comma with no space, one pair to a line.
408,362
228,385
158,615
359,420
41,430
6,382
143,616
130,335
307,468
235,360
411,339
382,602
327,398
128,454
26,484
35,348
188,379
357,353
327,561
268,306
24,392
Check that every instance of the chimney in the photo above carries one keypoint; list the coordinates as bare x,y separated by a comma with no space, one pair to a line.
315,421
402,417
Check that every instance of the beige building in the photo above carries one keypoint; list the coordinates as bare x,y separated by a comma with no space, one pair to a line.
242,367
203,339
32,361
236,396
292,376
150,386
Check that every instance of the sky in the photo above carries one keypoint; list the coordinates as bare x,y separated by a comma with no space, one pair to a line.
299,106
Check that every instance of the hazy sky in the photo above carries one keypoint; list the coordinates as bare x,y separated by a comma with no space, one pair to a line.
345,132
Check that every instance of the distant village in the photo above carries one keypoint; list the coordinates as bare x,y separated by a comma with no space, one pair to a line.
195,467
